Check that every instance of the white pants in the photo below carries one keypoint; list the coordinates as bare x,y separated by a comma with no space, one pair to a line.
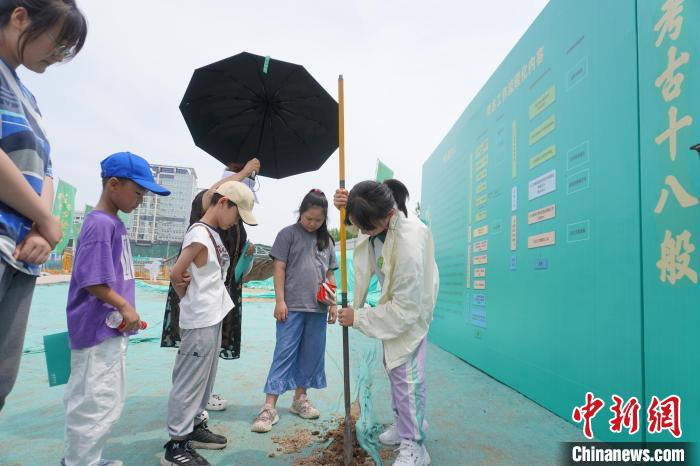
93,399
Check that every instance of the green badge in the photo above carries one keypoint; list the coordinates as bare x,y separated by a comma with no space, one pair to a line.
380,262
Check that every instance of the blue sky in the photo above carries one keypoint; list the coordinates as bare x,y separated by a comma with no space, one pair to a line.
410,69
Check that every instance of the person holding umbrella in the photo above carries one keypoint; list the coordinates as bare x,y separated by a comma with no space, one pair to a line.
234,240
399,250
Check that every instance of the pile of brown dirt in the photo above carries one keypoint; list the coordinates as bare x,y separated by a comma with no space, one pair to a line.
333,454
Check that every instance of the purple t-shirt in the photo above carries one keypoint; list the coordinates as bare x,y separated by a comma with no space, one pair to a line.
103,256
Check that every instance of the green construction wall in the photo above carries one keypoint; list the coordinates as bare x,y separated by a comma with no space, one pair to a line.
671,303
572,303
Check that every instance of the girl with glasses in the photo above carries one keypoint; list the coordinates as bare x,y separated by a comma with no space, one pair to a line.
35,34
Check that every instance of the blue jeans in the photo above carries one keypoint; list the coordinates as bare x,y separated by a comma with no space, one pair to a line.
299,359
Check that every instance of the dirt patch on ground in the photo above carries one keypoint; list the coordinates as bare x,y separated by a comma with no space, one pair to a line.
329,444
293,443
333,454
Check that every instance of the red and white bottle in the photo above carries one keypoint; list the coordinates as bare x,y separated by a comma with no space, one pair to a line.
115,320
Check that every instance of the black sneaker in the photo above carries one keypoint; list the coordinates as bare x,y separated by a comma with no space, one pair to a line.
182,454
202,437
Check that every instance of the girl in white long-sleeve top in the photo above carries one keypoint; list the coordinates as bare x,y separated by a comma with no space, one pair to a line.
398,249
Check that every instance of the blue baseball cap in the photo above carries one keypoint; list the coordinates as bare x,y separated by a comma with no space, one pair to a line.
134,168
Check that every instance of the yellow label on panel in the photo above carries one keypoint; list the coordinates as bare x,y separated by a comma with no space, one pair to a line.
514,160
483,148
544,129
482,162
543,156
481,200
479,284
481,246
469,220
469,266
544,239
540,215
481,215
481,175
480,272
481,259
542,102
513,233
481,187
481,231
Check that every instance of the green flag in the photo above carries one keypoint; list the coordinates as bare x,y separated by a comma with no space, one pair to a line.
79,226
63,208
383,172
76,232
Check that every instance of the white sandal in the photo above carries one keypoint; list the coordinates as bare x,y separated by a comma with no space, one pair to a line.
216,403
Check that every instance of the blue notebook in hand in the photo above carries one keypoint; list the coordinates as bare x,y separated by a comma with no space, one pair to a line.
57,351
244,263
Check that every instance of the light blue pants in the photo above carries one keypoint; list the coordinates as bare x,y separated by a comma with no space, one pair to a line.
299,359
408,395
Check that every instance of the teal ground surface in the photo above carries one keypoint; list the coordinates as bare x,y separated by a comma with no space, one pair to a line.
473,418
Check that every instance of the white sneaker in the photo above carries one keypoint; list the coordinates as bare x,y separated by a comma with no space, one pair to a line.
412,454
216,403
201,417
266,418
391,435
304,409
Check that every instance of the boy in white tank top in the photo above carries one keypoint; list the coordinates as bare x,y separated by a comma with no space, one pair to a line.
204,302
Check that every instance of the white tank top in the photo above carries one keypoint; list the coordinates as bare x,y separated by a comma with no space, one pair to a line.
206,301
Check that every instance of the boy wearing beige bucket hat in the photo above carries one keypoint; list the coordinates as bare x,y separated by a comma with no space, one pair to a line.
204,302
242,196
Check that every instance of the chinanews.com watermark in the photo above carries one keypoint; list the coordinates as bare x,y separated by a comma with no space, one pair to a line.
599,453
662,416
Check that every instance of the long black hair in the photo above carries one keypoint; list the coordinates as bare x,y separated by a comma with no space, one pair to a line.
370,201
316,198
44,14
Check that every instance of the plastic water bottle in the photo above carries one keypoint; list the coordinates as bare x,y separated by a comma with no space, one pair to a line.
115,320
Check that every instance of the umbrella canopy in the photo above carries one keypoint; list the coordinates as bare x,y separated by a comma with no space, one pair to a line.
251,106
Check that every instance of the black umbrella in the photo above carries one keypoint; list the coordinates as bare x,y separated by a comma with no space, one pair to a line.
251,106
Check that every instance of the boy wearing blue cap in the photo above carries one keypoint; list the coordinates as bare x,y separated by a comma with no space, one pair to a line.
102,282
